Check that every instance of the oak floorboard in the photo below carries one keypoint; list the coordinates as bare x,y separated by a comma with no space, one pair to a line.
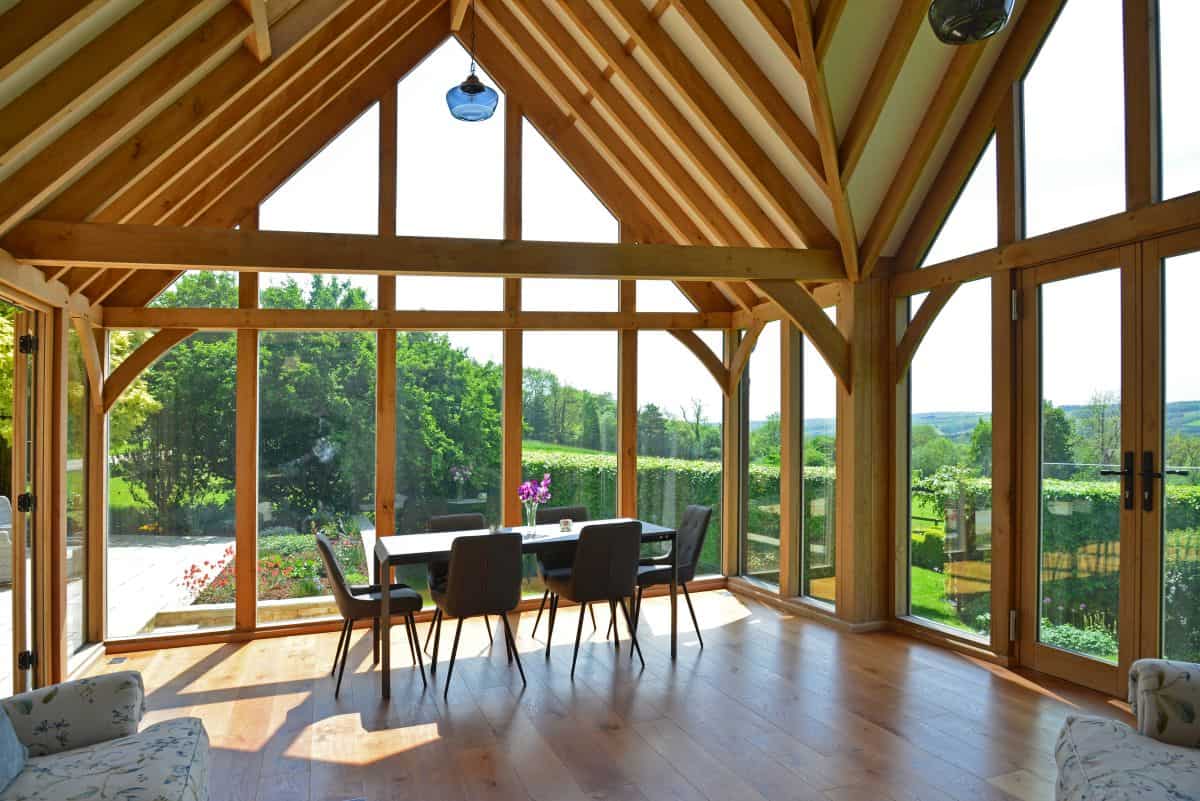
774,708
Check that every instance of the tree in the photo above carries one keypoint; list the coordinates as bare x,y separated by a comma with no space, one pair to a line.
695,425
1057,434
765,443
933,454
979,454
652,431
589,434
1100,431
819,450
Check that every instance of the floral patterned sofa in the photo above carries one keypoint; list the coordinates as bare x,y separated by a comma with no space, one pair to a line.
84,742
1105,760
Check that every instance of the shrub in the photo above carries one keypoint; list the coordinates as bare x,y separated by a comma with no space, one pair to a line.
929,551
1094,641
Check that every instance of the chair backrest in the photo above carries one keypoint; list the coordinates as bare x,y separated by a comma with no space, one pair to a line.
552,514
689,538
466,521
337,579
606,561
485,575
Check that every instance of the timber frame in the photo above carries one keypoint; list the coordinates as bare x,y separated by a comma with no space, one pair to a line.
761,199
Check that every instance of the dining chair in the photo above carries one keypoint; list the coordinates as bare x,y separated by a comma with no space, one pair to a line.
656,571
604,569
361,602
484,579
558,558
436,571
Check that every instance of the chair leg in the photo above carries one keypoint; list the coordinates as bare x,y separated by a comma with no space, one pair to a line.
637,612
437,638
688,598
550,623
338,652
632,633
429,634
487,624
592,610
415,640
612,621
612,615
512,647
578,635
375,627
345,656
453,653
541,606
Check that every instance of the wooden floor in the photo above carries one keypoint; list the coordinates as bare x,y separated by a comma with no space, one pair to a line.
774,707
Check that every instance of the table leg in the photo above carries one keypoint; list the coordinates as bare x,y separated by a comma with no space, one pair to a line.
674,593
385,625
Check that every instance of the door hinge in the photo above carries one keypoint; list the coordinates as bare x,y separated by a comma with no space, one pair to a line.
27,344
26,502
1016,306
1012,625
26,660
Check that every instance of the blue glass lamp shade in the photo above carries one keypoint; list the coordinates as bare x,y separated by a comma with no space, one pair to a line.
471,100
960,22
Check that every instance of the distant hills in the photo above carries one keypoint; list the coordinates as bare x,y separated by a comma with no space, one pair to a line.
1183,417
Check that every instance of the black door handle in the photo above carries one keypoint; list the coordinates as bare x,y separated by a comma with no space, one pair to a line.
1148,476
1126,474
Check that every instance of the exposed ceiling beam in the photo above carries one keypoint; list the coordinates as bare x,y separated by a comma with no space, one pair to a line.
743,209
137,362
918,327
120,116
710,360
920,150
758,88
258,42
818,93
141,247
458,13
775,17
826,19
740,359
93,74
775,191
37,35
909,18
1030,30
799,306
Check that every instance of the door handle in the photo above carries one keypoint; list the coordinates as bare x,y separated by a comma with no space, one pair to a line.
1126,474
1148,476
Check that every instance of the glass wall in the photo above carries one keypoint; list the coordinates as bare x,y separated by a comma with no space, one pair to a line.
1179,64
679,436
818,534
77,493
760,544
971,224
316,466
1074,117
170,491
950,464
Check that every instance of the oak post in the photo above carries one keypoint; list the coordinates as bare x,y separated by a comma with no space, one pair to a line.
627,409
385,355
511,413
246,463
791,460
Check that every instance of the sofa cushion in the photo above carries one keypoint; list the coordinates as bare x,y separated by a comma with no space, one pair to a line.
167,762
78,713
1105,760
13,752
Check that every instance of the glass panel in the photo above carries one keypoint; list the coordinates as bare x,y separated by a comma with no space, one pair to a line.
448,425
570,410
1181,513
8,493
1081,435
1179,63
760,546
200,289
316,466
818,534
679,436
1074,119
170,492
29,641
77,493
950,462
972,225
662,296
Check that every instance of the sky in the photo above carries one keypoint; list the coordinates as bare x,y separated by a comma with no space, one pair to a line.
450,183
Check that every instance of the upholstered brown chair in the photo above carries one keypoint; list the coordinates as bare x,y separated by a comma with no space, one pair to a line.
484,579
436,571
557,558
689,539
362,603
604,569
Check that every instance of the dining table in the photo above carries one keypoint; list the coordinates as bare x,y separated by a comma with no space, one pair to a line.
424,547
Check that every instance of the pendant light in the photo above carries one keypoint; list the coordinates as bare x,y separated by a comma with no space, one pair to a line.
960,22
472,100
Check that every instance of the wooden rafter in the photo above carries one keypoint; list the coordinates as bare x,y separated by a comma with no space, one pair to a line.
761,91
818,93
799,306
909,18
826,19
33,32
258,41
137,362
775,191
920,150
458,13
740,359
120,116
919,326
153,247
711,361
744,210
775,17
1027,35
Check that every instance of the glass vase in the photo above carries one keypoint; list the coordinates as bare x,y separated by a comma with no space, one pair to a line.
531,518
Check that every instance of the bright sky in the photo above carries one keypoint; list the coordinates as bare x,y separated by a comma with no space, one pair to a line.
451,184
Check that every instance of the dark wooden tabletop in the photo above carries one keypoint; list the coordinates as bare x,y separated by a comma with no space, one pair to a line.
407,549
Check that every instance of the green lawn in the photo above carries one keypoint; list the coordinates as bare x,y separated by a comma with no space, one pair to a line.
928,589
